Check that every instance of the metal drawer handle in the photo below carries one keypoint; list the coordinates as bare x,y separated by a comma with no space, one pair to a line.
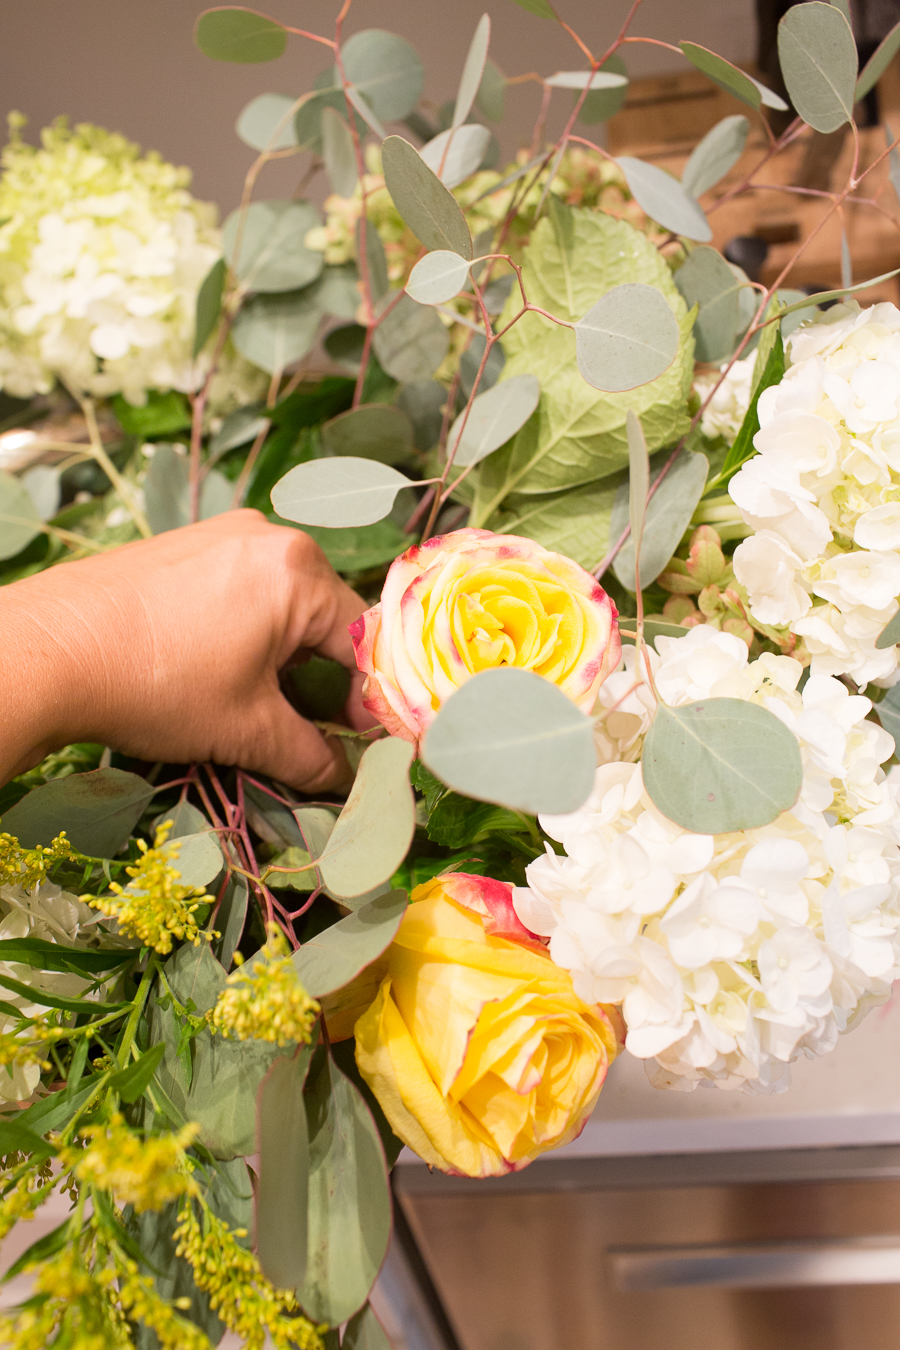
759,1265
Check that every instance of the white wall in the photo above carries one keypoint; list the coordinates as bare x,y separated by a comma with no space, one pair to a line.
131,66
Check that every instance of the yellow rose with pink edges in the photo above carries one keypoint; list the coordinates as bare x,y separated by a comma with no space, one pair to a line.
477,1047
472,601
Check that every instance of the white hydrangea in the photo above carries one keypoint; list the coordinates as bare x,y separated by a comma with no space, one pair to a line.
823,493
728,406
102,253
730,954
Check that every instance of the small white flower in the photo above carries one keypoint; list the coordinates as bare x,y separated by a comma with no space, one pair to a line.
793,966
769,568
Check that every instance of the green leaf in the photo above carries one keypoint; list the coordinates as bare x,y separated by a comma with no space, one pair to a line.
209,307
718,152
578,433
888,637
455,154
491,95
362,547
599,105
423,402
42,1250
638,480
373,430
265,124
264,245
19,518
822,297
628,338
542,8
231,917
349,1198
410,342
731,79
274,331
132,1081
386,70
45,1000
426,206
456,821
437,277
376,825
743,449
664,199
377,262
232,33
364,109
161,415
199,858
653,628
818,61
888,711
473,71
720,765
167,491
493,418
42,955
328,93
283,1195
510,737
574,523
338,492
668,516
336,956
97,811
707,281
55,1111
365,1332
18,1138
338,153
581,79
322,687
239,428
878,63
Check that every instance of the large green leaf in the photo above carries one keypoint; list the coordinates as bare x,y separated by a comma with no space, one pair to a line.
376,826
511,737
264,245
410,342
97,811
719,151
578,433
283,1195
707,281
818,61
337,492
721,765
668,516
428,208
386,70
334,957
20,520
574,523
628,338
349,1198
232,33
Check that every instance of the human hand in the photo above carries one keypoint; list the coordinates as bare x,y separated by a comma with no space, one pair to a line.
170,649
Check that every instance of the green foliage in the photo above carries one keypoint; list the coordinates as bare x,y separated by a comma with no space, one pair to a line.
385,70
335,956
161,415
425,204
718,152
282,1198
376,825
209,307
628,338
233,33
19,518
668,516
878,63
265,249
337,492
492,418
706,280
664,199
96,810
743,449
374,430
410,341
167,491
818,61
320,687
365,1332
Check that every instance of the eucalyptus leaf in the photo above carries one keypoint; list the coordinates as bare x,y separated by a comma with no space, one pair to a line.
264,245
337,492
433,215
818,61
599,105
275,331
878,63
492,419
365,1332
893,162
731,79
664,199
491,96
43,487
209,305
349,1198
20,519
718,152
585,79
266,123
628,338
231,917
376,825
358,102
455,154
473,70
821,297
167,491
437,277
337,291
375,259
638,478
706,280
386,70
283,1191
198,860
888,712
720,765
233,33
410,341
890,635
423,402
97,811
239,428
338,153
327,92
336,956
669,513
542,8
511,737
373,430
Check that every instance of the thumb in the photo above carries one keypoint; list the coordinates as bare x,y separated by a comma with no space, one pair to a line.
285,746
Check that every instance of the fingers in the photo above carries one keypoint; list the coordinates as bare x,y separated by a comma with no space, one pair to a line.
288,748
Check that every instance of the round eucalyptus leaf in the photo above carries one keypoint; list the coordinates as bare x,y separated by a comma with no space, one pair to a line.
707,280
437,277
473,70
345,346
433,215
378,820
818,60
719,150
627,339
232,33
410,342
274,331
599,105
664,199
20,520
239,428
196,858
455,154
584,79
334,957
721,765
269,254
386,70
491,97
493,418
510,737
372,431
423,401
338,153
337,492
265,116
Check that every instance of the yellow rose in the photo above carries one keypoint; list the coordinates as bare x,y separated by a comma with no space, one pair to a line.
477,1046
472,601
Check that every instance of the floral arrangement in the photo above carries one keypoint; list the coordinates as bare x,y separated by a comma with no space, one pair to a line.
627,525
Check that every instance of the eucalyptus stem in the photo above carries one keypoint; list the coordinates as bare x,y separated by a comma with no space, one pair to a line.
126,490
